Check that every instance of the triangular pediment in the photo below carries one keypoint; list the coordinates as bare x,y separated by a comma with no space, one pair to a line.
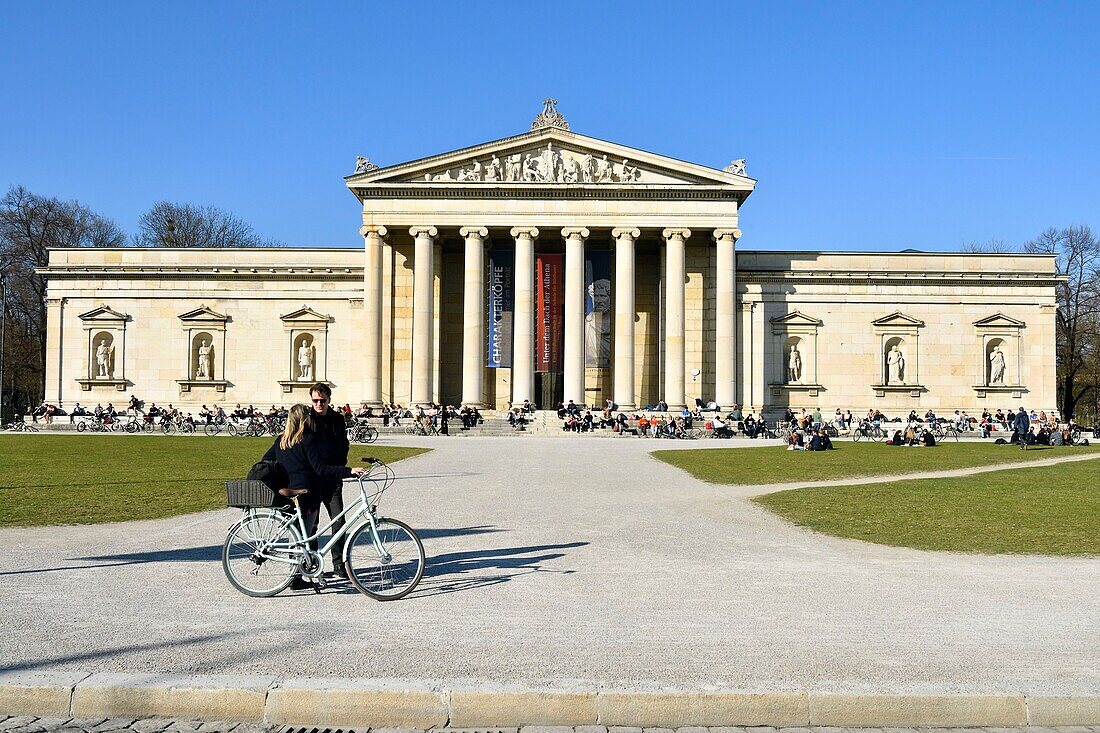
795,318
999,320
205,314
550,157
897,318
104,313
305,313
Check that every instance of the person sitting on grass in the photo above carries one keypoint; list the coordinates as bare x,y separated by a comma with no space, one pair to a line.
927,440
896,439
821,441
796,441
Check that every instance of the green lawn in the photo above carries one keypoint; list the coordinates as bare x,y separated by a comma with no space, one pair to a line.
88,479
777,465
1049,510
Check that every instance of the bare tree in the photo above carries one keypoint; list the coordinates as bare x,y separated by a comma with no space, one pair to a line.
30,225
186,225
993,246
1078,255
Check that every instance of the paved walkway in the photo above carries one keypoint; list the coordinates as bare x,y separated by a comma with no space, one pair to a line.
565,564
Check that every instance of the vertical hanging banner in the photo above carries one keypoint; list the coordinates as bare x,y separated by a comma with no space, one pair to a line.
550,333
501,304
597,308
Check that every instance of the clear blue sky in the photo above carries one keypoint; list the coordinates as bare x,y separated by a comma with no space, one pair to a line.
868,125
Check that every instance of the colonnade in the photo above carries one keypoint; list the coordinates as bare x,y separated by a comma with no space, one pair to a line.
523,346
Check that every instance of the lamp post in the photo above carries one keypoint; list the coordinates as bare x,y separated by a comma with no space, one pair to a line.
3,330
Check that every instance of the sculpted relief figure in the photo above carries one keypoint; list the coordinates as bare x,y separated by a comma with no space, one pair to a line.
794,365
305,361
473,173
588,168
997,366
103,354
551,164
572,172
512,170
630,173
206,361
604,171
493,171
531,170
895,366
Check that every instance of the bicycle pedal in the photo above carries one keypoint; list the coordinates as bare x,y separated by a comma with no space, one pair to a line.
319,585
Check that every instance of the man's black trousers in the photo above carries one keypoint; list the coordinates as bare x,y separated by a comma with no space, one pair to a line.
333,499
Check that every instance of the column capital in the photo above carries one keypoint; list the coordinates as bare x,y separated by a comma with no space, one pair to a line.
424,231
527,232
720,234
676,234
571,232
626,233
479,232
378,229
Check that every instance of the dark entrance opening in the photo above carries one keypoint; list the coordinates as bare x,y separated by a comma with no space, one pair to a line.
549,389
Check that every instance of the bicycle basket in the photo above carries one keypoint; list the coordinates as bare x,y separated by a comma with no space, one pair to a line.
243,493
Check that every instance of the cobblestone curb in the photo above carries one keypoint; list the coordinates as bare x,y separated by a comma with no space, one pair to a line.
363,704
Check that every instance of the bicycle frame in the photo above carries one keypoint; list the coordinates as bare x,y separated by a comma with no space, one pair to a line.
361,507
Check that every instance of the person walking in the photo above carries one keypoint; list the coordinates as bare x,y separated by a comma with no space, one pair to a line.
328,429
1022,425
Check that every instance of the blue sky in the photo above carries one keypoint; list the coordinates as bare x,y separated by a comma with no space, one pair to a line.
869,126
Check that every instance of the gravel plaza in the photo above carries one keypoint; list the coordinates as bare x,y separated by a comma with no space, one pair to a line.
563,563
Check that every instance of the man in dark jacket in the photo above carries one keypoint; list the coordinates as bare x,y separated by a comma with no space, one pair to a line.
1022,425
332,441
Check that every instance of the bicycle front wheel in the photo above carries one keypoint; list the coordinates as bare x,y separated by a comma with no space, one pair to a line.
385,579
372,435
248,571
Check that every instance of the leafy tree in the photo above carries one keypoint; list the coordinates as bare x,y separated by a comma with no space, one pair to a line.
186,225
30,225
1078,253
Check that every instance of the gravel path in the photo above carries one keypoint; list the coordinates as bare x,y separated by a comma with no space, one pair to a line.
563,563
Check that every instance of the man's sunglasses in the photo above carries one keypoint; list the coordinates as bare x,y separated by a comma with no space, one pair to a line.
321,401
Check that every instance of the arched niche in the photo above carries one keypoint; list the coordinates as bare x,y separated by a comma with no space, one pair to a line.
892,345
306,348
903,331
800,331
203,356
794,352
998,334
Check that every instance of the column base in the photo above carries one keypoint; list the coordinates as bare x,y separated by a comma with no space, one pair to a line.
623,407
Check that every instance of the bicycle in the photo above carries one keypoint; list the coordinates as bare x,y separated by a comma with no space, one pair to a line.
868,430
215,426
362,433
944,429
268,547
21,427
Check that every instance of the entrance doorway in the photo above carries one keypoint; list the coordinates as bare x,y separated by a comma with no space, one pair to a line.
549,389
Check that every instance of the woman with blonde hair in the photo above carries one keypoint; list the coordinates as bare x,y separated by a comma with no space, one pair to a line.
299,452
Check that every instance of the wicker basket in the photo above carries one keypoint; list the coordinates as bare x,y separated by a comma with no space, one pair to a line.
244,493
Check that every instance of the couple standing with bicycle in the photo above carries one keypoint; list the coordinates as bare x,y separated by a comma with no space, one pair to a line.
313,449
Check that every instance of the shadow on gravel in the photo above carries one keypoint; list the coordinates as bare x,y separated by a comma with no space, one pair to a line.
461,571
213,553
112,652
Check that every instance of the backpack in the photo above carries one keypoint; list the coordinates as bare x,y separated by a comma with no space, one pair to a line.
270,473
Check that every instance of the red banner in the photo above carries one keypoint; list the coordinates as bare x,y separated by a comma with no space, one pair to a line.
549,329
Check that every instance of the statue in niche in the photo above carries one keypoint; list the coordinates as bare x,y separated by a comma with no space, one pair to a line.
205,368
493,171
104,356
604,171
588,168
305,361
997,366
895,366
629,174
512,171
794,365
531,171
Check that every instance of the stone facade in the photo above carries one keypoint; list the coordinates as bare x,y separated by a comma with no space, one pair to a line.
403,320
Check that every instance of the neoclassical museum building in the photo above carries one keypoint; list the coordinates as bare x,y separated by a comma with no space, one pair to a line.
551,266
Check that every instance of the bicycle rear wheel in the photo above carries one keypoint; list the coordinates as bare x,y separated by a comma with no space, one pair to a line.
372,435
248,572
381,579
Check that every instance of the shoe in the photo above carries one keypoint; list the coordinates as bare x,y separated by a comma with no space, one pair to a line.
300,583
340,571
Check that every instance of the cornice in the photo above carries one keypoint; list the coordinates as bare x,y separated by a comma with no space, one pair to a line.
1021,279
77,272
635,192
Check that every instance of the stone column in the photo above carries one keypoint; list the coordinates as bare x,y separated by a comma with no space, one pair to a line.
574,313
372,305
725,322
523,326
473,316
423,299
624,317
675,266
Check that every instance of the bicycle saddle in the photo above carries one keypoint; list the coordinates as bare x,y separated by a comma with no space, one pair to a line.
292,492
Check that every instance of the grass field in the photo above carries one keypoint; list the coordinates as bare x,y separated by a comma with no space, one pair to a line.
88,479
1049,510
776,465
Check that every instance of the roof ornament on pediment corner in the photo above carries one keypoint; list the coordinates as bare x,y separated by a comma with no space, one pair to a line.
363,165
549,117
736,167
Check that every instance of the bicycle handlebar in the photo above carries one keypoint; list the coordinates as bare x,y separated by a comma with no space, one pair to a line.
370,459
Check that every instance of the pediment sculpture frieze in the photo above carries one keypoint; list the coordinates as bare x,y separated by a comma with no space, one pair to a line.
545,165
